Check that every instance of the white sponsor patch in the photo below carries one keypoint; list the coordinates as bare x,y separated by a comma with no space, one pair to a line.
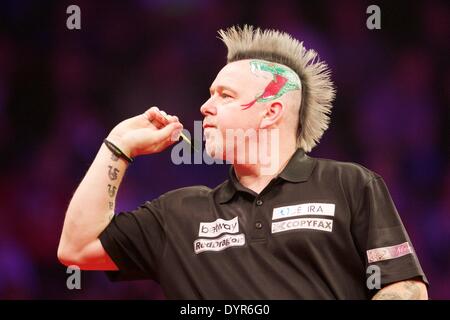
386,253
225,241
321,209
216,228
303,223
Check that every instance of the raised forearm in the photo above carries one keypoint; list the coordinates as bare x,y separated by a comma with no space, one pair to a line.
403,290
92,205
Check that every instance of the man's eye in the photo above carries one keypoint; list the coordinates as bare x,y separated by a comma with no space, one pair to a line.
224,95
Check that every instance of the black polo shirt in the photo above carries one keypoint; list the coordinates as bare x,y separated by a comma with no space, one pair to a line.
310,234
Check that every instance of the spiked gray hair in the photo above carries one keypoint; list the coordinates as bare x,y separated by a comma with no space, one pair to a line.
317,88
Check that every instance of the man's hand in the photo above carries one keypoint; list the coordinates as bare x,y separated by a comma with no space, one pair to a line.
146,133
403,290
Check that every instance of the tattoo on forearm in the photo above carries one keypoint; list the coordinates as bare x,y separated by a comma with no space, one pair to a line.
111,190
112,173
387,296
410,290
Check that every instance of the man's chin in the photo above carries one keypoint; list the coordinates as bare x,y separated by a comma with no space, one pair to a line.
211,150
214,152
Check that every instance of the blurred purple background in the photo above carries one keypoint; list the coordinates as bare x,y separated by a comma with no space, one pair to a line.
61,92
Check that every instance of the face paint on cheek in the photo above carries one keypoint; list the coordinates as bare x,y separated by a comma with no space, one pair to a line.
284,80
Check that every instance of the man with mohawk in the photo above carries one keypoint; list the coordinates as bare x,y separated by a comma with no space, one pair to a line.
310,229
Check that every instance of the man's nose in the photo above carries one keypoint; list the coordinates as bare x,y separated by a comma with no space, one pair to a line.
208,108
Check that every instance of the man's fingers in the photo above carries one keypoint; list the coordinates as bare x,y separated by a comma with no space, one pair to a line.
169,131
151,113
160,118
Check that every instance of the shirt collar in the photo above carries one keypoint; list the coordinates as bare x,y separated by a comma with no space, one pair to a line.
298,169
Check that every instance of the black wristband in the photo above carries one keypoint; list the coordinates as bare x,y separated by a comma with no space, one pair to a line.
116,151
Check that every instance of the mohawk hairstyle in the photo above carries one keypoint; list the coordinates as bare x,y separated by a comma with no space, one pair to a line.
317,88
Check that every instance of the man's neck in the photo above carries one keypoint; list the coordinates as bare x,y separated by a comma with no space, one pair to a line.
254,177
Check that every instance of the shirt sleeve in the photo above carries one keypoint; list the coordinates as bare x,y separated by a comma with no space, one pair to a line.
135,240
381,237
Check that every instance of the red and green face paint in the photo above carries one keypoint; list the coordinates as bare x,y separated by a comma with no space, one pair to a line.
284,80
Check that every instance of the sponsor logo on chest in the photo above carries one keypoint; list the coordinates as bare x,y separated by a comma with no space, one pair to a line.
219,244
319,209
213,229
224,232
304,209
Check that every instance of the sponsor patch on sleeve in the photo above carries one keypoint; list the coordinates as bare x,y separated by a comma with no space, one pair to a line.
386,253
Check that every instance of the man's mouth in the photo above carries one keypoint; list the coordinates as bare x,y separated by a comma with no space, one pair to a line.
206,126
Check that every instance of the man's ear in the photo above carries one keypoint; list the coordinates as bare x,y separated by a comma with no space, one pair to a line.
273,113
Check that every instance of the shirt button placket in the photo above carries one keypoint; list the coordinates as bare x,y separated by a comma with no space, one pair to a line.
258,221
